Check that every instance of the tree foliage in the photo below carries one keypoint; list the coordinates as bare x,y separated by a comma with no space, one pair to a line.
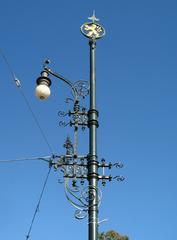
111,235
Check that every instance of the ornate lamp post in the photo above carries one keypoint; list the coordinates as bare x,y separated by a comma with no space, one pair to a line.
74,167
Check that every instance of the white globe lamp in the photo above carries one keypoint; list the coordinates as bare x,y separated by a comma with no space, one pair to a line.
42,90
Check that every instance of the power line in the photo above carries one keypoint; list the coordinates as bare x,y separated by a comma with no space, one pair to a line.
18,85
36,121
38,204
45,158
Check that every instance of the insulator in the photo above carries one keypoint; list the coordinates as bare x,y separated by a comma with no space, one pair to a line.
76,108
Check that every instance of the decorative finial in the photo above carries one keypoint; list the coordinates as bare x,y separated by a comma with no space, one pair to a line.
93,17
68,145
92,30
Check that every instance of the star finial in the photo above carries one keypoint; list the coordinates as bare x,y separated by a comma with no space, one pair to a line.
93,17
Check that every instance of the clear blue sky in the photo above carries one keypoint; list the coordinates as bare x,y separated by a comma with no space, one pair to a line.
136,98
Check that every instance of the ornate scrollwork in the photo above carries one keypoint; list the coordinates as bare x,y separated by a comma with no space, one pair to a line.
77,117
74,168
68,100
63,124
62,114
82,199
82,88
80,214
119,178
80,118
118,165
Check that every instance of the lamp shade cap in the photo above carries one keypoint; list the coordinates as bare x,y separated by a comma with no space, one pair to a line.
43,80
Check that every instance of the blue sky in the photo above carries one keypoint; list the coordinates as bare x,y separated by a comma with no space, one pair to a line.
136,98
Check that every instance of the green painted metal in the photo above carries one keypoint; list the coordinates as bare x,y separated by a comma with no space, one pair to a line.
92,157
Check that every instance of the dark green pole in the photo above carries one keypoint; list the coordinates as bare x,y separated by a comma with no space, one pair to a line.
92,157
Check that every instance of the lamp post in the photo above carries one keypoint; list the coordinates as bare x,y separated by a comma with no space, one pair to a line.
74,166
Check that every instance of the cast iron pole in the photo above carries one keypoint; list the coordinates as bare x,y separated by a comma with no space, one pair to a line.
92,158
73,166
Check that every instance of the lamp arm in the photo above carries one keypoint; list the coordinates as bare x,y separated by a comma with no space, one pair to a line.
74,90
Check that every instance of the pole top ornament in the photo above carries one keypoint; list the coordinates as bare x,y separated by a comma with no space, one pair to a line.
92,30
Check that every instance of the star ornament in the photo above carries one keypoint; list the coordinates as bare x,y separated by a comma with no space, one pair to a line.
93,18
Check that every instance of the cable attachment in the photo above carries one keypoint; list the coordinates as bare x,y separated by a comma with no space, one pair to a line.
17,82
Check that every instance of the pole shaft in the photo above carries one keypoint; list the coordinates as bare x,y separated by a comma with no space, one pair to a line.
92,158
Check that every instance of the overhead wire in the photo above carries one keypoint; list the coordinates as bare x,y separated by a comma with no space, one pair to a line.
38,204
18,85
45,158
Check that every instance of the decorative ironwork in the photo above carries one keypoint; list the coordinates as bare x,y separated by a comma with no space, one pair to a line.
92,30
68,145
82,199
82,88
119,178
62,114
63,124
93,18
118,165
73,167
77,118
68,100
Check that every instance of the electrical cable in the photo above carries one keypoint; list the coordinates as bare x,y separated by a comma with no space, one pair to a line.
18,85
36,121
38,204
45,158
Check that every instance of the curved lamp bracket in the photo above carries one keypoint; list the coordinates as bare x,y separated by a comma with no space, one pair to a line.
79,88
